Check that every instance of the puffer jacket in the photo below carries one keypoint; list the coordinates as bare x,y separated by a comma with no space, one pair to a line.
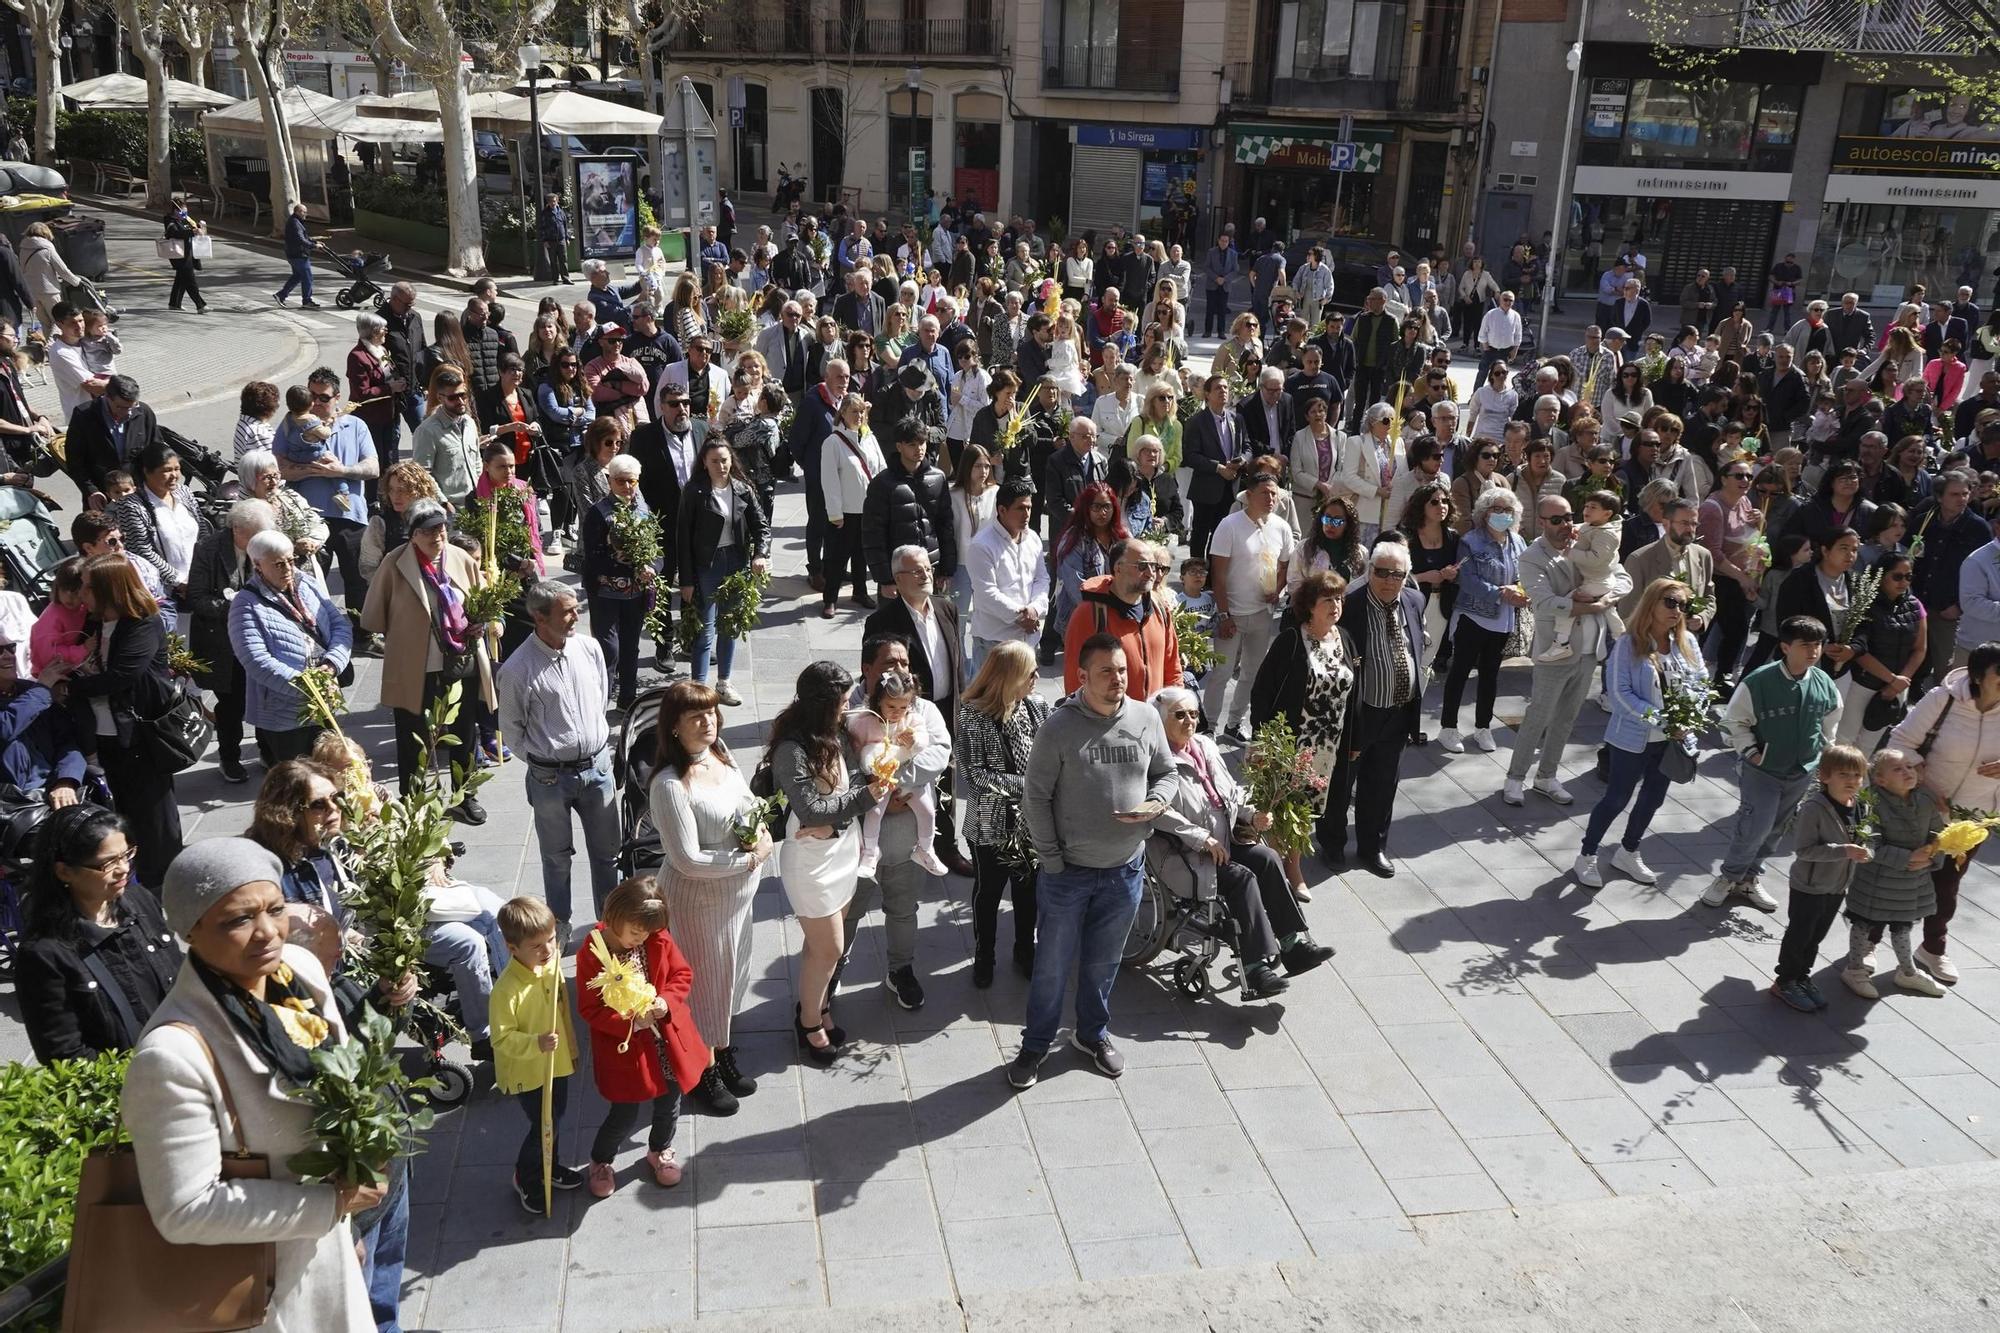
1966,738
484,346
1884,887
275,648
905,508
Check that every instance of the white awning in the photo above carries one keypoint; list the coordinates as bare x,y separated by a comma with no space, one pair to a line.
314,115
127,92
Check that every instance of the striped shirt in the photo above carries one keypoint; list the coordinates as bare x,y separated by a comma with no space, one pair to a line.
1388,674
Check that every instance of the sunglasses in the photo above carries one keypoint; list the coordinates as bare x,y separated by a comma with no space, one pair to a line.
1561,520
1484,454
1185,714
1739,476
1333,520
1674,603
322,398
322,805
1396,575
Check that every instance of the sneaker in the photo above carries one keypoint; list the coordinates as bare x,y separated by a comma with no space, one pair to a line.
1512,792
1482,737
1260,983
1718,891
1237,734
1025,1069
1794,995
1754,894
1937,965
566,1177
602,1179
310,305
727,695
1102,1054
1556,652
1304,956
1860,982
1813,993
1554,790
1450,741
904,986
1633,864
928,861
666,1171
468,811
232,770
1918,980
1588,870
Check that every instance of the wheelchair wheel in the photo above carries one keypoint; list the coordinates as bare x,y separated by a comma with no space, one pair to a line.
1150,926
1191,979
453,1083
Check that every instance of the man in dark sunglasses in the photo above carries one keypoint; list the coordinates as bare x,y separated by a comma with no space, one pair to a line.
1384,615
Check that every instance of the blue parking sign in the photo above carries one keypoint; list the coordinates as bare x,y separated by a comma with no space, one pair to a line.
1343,157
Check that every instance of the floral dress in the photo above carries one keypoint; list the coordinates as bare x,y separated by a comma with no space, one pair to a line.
1329,685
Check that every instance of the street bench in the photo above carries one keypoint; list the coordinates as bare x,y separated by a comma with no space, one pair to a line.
227,198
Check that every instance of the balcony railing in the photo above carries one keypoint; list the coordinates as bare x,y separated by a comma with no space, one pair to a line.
744,34
1152,70
1876,27
1413,88
969,39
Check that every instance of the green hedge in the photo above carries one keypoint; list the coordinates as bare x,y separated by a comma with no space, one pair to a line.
399,197
117,137
50,1116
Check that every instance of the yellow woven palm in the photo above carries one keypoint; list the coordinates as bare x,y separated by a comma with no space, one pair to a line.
623,987
1961,837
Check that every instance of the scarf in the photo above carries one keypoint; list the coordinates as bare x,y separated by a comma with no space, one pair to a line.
282,1028
454,632
1201,771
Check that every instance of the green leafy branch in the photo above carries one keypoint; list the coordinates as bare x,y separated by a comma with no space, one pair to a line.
361,1118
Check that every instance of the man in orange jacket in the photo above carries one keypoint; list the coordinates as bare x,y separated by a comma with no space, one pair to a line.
1121,604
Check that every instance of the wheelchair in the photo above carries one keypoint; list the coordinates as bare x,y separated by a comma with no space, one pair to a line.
434,1021
1176,913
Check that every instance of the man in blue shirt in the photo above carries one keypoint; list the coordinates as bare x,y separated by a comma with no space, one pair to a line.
329,475
298,253
931,354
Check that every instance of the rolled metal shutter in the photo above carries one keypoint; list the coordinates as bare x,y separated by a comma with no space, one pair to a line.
1104,188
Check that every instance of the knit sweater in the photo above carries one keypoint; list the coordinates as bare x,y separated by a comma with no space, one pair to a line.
1820,836
1884,889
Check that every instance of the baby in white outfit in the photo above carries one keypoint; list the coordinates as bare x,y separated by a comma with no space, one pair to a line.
1594,556
887,738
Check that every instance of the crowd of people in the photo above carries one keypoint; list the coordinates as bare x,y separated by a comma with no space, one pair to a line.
1009,459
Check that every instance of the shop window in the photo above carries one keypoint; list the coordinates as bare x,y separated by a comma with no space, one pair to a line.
1674,123
1882,250
1339,39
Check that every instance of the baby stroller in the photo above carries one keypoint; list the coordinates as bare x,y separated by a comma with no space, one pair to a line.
431,1023
86,296
31,545
632,770
360,269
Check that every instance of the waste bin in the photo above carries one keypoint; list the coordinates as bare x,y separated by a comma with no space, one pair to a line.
80,242
28,209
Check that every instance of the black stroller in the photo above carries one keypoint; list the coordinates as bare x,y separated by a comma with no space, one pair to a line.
360,269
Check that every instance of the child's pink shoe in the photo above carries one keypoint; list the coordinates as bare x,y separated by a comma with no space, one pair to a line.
928,861
666,1171
603,1180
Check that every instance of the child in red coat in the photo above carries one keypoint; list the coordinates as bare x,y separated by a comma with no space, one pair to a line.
663,1054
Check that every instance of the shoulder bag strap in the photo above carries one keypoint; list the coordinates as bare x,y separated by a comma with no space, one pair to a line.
228,1100
113,992
1930,738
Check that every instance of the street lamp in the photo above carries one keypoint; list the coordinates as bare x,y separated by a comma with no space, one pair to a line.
531,60
913,79
1559,245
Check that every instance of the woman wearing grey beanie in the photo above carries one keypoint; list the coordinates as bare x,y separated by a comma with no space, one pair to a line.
258,1008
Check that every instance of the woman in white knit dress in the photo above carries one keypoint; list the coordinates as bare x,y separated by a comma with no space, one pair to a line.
708,877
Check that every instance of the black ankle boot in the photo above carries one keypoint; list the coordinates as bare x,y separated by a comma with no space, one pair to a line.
714,1094
730,1076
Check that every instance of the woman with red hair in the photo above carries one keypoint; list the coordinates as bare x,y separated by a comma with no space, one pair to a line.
1083,550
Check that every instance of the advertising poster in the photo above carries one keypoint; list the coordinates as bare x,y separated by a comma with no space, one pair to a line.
607,206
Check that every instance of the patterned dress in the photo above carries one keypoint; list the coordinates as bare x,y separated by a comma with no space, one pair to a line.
1329,685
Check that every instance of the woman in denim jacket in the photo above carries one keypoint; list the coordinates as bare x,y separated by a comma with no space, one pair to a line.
1484,614
1657,645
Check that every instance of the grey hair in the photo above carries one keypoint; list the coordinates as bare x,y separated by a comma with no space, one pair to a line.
1170,697
254,464
1549,400
1497,497
544,595
623,465
368,324
906,552
1815,307
268,543
1394,552
252,516
833,361
1657,492
1378,412
1271,375
594,266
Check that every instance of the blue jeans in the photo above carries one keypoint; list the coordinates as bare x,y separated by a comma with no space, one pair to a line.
474,952
721,565
1082,917
555,794
1768,806
1630,772
302,278
384,1246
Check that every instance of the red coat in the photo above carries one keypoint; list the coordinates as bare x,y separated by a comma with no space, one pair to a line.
635,1075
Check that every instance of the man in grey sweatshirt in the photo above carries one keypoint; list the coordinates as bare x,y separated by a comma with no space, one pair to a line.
1098,760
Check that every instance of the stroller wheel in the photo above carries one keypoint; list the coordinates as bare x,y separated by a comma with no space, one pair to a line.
344,298
451,1083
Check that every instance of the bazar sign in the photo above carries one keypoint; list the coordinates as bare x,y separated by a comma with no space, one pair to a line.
1924,157
1676,184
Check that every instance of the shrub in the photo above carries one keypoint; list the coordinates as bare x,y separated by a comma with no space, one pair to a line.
50,1117
399,197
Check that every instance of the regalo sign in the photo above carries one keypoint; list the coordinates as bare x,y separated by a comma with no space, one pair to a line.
1918,156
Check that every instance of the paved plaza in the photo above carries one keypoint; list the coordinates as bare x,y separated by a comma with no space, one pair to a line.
1497,1068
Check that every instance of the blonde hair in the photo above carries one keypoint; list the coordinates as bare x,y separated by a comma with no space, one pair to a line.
523,919
1004,679
1842,759
1642,618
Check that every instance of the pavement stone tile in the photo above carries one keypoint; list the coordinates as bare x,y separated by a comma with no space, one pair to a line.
878,1220
752,1189
632,1230
1092,1133
1610,1129
1486,1106
865,1146
1397,1000
758,1267
1264,1060
1676,1094
476,1278
858,1284
950,1054
1365,1084
1289,1120
1557,1072
1174,1095
1466,1193
1214,1159
1736,1151
1408,1144
969,1184
1917,1135
1537,1168
1098,1203
1658,1175
1844,1161
983,1113
1233,1229
1610,1039
1131,1256
1509,1020
1377,1235
1441,1050
1970,1101
1008,1253
1332,1185
606,1300
1799,1120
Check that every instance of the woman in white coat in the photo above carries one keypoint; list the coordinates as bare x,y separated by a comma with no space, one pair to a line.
1315,455
848,461
1368,471
259,1007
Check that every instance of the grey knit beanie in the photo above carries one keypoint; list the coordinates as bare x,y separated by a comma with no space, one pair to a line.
206,872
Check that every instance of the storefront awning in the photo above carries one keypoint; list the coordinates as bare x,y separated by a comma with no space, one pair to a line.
1309,147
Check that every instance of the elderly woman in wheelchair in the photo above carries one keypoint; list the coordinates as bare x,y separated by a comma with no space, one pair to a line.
1210,883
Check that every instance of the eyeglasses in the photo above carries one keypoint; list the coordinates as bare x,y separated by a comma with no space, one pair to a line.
1487,453
914,572
322,398
121,862
1394,575
1903,577
321,805
1185,714
1562,520
1674,603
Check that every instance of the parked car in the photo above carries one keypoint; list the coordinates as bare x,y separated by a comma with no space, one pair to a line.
1354,260
27,178
490,149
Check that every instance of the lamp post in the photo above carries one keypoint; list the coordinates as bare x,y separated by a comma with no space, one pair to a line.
913,78
1559,243
531,60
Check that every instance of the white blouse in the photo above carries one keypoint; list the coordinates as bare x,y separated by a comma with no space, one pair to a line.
178,533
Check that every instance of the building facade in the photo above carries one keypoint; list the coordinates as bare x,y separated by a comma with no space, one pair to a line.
1779,146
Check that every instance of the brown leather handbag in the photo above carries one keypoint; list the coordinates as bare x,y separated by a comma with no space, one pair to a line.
125,1277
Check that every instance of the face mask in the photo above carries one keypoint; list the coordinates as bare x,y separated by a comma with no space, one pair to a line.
1500,522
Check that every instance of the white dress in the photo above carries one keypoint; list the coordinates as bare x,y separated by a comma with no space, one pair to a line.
819,873
709,886
1066,366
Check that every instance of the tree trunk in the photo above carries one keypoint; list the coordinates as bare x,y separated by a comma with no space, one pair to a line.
278,154
159,128
48,73
197,56
466,254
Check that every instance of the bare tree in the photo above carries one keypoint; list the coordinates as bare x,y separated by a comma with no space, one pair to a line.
257,28
44,21
142,19
191,25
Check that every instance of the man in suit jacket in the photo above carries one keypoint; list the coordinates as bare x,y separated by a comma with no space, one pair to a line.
1212,442
1557,688
107,433
1851,327
1071,468
1944,327
858,307
783,347
1267,416
667,449
1677,554
1384,616
929,624
1633,313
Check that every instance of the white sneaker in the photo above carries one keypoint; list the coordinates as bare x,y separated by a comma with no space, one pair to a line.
1718,892
1556,652
1483,738
1937,964
1450,741
1754,893
1860,981
1511,793
1920,981
1589,871
1634,865
927,860
1554,790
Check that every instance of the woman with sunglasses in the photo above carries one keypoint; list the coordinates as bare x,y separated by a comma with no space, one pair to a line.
1735,334
1493,404
1482,476
1837,506
1889,651
1427,521
1242,342
1627,393
1656,654
1729,523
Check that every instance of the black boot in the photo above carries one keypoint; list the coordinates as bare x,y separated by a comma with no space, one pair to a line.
731,1077
714,1094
